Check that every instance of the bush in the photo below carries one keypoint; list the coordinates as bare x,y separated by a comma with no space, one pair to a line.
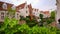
58,31
29,22
9,26
24,29
12,27
49,21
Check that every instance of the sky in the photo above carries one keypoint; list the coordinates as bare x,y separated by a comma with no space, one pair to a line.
38,4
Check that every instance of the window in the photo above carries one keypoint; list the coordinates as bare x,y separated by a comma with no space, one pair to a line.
26,11
4,6
26,7
2,13
35,9
17,15
2,17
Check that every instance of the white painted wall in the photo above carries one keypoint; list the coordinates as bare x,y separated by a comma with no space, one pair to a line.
44,15
17,15
2,15
36,13
5,14
23,11
58,11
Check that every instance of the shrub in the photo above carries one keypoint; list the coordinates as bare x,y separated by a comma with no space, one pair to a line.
49,21
11,26
31,23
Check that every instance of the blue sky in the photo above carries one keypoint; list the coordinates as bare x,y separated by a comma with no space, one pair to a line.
39,4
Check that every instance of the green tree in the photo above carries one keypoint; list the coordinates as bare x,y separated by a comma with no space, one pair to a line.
11,12
41,16
9,25
53,14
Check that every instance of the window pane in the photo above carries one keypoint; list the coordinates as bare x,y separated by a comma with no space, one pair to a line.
2,13
26,11
2,17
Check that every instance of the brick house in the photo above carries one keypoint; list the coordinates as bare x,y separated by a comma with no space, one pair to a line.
58,10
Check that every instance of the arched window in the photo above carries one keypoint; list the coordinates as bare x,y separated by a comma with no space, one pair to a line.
4,6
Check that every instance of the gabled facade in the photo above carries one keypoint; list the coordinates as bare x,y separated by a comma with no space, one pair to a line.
24,10
21,10
36,12
4,10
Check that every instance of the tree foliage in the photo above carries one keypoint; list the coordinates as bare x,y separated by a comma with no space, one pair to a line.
11,26
53,14
11,13
41,16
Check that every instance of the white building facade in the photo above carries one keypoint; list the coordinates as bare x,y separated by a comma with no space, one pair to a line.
58,10
36,12
4,10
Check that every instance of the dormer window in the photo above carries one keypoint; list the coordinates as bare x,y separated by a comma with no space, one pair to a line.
4,6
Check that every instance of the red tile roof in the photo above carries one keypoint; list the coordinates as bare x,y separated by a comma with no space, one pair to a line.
46,12
30,11
8,6
30,8
21,6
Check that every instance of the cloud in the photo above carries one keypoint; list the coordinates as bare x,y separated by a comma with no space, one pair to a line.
40,4
32,1
17,2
